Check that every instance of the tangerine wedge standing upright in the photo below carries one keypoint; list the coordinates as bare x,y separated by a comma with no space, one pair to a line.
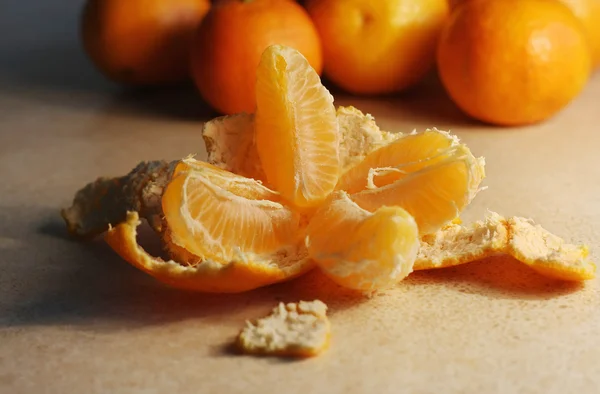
296,129
231,39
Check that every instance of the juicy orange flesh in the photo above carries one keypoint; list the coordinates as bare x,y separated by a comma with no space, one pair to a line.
407,154
296,128
363,250
433,196
220,216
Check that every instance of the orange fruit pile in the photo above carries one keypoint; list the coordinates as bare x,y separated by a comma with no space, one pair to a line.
504,62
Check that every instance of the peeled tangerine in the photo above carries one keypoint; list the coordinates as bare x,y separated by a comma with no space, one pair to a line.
299,183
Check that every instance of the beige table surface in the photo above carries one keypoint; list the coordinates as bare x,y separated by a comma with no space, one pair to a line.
74,318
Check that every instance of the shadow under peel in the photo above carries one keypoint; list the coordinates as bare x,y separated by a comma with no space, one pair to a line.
496,277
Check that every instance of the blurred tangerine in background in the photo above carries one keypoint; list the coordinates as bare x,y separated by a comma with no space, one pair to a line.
374,47
504,62
588,12
141,42
513,62
230,41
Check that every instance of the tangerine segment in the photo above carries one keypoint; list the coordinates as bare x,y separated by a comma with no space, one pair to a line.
363,250
220,216
408,154
208,275
547,253
293,329
230,143
521,238
433,195
296,129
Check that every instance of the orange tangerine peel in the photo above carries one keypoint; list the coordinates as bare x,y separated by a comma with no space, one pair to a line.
230,145
107,200
456,244
518,237
294,329
206,275
547,253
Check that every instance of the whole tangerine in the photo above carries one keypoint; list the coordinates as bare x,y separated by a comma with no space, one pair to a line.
141,42
374,47
588,12
231,39
513,62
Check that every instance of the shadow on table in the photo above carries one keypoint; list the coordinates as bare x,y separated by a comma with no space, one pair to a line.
496,277
53,280
87,284
71,82
421,106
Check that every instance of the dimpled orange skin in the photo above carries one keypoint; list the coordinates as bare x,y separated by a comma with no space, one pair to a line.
141,42
588,12
513,62
231,39
375,47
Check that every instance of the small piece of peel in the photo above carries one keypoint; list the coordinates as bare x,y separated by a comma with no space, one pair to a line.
293,330
547,253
